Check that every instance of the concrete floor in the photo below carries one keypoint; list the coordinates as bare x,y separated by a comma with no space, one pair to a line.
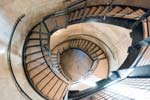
75,63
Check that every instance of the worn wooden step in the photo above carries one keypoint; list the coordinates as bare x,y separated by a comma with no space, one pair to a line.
71,16
124,12
55,89
81,43
91,48
136,14
97,53
31,46
76,14
30,68
36,43
32,50
34,59
53,55
59,94
88,46
45,81
38,39
33,42
78,43
71,43
35,63
74,43
34,36
92,11
37,79
33,56
55,59
114,11
80,14
94,50
38,34
85,44
86,12
105,10
99,10
37,71
100,57
49,86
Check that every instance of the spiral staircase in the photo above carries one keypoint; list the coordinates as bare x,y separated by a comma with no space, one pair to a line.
53,65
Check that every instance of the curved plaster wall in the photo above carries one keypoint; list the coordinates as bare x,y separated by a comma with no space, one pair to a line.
115,37
10,10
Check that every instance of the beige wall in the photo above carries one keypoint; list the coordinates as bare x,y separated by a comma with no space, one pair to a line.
10,10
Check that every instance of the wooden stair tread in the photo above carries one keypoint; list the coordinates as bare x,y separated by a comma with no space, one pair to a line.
50,85
114,11
37,70
45,81
58,95
55,88
104,11
76,14
92,11
87,10
99,10
80,13
41,76
136,14
124,12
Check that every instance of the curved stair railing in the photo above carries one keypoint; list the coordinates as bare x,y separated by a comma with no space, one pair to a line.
87,14
37,67
9,59
41,43
94,52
